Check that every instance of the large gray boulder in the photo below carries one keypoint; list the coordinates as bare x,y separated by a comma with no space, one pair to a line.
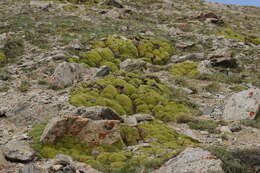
242,105
66,74
18,151
192,160
96,132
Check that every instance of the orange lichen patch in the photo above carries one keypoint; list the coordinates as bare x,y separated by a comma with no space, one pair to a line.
102,135
251,94
111,124
251,114
79,118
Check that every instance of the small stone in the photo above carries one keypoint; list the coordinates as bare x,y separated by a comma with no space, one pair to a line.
235,128
143,117
225,129
63,159
102,71
204,132
130,121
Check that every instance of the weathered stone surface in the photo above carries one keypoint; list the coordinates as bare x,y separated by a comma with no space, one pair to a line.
102,71
242,105
3,162
18,151
191,56
143,117
3,38
67,73
192,160
132,65
63,159
31,168
97,113
97,132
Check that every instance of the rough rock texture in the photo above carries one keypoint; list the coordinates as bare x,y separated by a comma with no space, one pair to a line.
242,105
97,132
102,71
67,73
132,64
18,151
31,168
3,162
97,113
192,160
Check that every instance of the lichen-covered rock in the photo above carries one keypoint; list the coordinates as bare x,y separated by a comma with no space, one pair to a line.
96,132
242,105
66,74
97,113
130,65
192,160
18,151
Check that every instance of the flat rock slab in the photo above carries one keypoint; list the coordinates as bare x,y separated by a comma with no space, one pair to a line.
192,160
18,151
96,132
242,105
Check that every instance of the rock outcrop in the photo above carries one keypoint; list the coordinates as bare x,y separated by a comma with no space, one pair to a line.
18,151
192,160
96,132
242,105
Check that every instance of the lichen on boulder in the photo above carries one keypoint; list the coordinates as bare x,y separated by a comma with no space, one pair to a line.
164,143
129,93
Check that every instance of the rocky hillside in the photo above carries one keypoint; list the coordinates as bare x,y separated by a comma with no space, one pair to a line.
131,86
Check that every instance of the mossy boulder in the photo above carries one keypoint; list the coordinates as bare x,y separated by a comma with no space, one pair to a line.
164,143
129,93
185,69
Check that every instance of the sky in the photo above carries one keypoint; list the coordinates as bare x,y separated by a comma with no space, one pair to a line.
239,2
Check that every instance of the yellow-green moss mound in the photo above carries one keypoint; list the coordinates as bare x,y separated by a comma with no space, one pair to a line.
129,93
114,50
185,69
3,58
163,141
230,33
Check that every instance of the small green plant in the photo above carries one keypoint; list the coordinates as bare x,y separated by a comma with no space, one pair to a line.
3,58
213,87
208,125
232,163
24,86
